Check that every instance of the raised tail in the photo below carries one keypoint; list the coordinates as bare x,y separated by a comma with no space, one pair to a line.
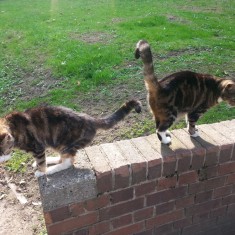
123,111
143,51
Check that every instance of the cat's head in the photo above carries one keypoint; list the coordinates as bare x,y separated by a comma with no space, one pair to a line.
6,143
228,92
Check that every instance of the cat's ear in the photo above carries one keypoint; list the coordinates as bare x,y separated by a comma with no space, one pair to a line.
230,88
5,137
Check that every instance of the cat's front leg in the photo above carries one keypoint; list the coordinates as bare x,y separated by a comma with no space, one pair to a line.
164,136
163,133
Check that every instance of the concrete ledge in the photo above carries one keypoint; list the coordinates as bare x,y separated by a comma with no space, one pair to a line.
75,184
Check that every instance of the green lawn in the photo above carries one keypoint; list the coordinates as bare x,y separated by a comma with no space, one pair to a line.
55,51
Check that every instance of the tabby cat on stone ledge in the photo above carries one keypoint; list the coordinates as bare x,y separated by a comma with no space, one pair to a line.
181,93
58,128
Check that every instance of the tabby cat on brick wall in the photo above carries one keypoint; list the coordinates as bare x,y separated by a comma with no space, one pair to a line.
181,93
59,128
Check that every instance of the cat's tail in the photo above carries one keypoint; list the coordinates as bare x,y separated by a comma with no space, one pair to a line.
143,51
123,111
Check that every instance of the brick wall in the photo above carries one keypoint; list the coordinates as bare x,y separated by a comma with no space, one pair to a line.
141,187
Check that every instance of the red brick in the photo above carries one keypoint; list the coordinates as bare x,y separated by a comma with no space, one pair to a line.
165,208
230,199
183,162
197,151
101,167
198,218
97,203
118,164
204,196
169,166
136,161
183,155
212,155
121,177
143,214
168,156
122,195
203,207
223,191
231,179
182,223
166,183
73,223
204,227
212,148
121,209
227,168
80,232
188,178
165,218
212,171
196,187
216,132
231,209
146,232
184,202
215,183
153,157
60,214
218,211
99,228
122,221
165,196
47,217
77,209
225,153
128,230
163,229
154,169
145,188
198,158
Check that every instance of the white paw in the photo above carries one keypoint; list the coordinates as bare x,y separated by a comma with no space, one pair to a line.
164,137
196,134
39,173
34,165
166,140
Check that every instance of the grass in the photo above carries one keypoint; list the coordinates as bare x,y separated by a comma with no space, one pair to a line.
87,44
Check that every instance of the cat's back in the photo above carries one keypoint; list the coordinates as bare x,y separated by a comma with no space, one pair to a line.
188,80
54,114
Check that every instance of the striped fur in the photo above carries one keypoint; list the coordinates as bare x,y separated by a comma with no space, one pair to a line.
181,93
59,128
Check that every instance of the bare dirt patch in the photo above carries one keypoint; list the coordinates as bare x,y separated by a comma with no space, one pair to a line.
92,37
17,218
27,86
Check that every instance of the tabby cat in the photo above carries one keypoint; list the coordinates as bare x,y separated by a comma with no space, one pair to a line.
181,93
60,128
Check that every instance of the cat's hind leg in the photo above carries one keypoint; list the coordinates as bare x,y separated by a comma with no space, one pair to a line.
192,119
49,161
40,158
67,161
